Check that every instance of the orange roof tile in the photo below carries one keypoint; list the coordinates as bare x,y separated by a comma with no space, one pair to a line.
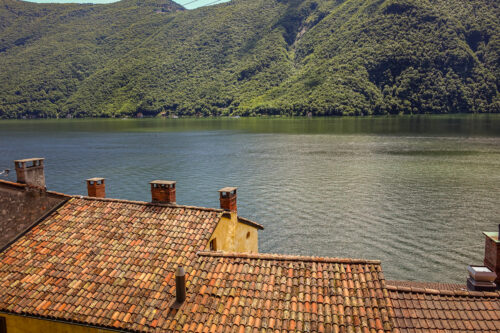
427,285
110,263
431,310
290,293
103,262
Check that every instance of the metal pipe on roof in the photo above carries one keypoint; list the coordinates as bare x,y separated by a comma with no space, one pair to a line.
180,285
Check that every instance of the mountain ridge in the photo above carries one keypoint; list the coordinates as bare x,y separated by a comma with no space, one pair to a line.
247,57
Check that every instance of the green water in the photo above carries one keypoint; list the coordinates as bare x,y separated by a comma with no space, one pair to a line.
414,192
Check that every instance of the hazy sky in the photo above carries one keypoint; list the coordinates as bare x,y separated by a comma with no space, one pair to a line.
196,4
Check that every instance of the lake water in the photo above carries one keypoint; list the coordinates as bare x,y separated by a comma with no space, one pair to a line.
414,192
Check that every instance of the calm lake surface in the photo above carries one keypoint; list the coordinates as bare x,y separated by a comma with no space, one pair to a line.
414,192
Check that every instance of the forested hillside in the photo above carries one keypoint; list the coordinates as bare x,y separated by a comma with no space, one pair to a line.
246,57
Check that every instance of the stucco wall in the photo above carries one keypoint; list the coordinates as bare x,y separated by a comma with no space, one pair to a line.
20,324
231,235
20,207
247,238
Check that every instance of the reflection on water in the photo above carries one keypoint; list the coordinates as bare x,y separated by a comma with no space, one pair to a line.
414,192
464,125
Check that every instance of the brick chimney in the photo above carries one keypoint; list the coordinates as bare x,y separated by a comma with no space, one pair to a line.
30,171
228,199
492,252
96,187
163,191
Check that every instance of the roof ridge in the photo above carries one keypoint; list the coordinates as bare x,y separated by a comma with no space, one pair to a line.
284,257
69,196
491,294
20,185
218,210
6,182
244,220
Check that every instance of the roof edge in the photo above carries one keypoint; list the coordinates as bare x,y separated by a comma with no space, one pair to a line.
13,184
145,203
250,223
467,293
68,196
24,186
64,321
282,257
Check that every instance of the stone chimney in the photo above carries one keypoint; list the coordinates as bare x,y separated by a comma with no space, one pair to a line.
30,171
163,191
228,199
96,187
492,253
481,279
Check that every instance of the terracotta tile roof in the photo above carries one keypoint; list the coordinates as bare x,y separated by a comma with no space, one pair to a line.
233,292
111,263
427,285
430,310
103,262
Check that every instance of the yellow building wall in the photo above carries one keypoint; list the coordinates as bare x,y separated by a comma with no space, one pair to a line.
246,238
234,236
224,234
20,324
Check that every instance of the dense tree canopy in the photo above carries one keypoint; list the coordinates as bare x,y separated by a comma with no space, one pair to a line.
248,57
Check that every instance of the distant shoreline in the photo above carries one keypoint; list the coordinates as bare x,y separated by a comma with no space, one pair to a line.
458,114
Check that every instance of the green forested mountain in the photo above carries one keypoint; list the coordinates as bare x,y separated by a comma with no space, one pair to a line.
328,57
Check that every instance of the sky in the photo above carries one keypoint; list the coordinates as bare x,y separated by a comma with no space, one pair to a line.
194,4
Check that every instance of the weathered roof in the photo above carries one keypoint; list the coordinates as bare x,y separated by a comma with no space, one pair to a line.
431,310
103,262
111,263
427,285
234,292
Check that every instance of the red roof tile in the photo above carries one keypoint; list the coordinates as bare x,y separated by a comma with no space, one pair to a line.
110,263
427,285
292,293
103,262
432,310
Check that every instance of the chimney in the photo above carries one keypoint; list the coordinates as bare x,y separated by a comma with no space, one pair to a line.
180,285
492,253
163,191
481,279
96,187
228,199
30,171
